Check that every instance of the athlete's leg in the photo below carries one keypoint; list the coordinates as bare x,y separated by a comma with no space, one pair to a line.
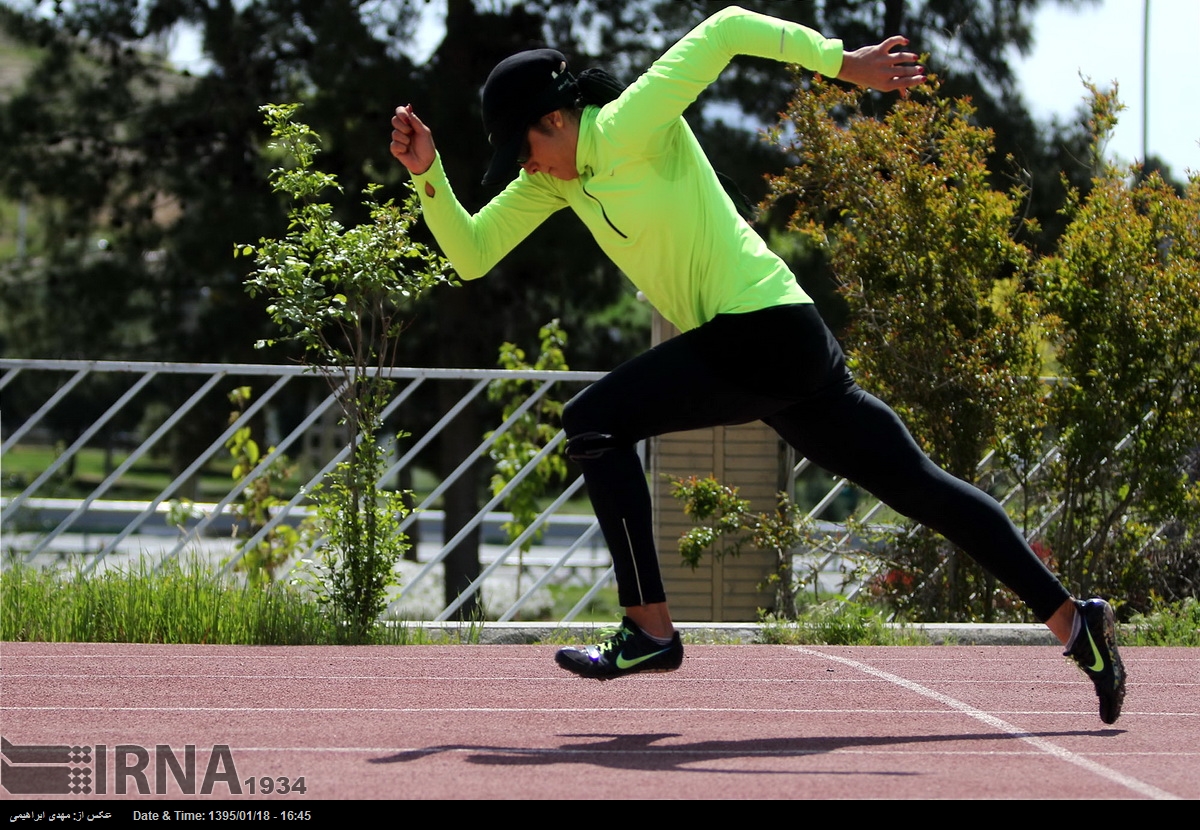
669,388
855,435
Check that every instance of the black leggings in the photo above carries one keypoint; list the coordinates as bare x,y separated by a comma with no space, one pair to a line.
781,366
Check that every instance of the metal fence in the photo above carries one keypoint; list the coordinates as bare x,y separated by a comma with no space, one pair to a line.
175,420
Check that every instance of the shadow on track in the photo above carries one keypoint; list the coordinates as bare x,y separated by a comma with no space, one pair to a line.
642,751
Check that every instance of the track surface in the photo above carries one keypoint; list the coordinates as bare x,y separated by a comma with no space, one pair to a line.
502,722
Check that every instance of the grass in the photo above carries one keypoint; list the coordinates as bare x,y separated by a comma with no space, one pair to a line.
840,623
176,604
146,478
603,606
143,480
1168,624
171,605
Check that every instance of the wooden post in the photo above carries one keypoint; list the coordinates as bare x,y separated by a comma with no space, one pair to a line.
745,456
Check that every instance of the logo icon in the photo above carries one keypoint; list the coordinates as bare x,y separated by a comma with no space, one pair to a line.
58,769
623,663
45,770
1099,664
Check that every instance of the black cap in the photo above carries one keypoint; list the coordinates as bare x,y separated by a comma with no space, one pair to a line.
520,90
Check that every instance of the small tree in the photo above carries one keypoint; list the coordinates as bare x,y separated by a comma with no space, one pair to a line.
1123,298
340,294
903,210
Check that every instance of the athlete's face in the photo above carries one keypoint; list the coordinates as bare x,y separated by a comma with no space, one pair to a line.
550,147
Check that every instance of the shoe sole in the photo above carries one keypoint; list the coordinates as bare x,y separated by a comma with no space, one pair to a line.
1110,705
1109,682
578,671
603,677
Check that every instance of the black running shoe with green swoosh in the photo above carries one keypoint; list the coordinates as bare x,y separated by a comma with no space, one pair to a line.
629,650
1095,651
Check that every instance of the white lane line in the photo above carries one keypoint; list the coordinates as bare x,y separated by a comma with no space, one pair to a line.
600,749
1045,746
466,710
487,709
594,710
564,678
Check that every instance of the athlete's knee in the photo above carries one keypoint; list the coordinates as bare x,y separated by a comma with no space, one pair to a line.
588,446
581,415
586,420
581,421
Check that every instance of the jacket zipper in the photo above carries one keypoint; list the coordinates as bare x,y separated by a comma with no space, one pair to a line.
603,213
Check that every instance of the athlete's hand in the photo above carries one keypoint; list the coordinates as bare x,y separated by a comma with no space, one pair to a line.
878,67
412,142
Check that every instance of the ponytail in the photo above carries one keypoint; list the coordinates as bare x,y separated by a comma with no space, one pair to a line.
596,88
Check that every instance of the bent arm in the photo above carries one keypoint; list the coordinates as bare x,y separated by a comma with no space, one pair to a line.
475,243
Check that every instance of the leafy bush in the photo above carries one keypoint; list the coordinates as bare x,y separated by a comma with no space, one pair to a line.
953,322
1167,624
1122,303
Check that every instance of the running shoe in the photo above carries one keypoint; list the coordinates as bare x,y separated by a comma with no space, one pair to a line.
627,651
1094,650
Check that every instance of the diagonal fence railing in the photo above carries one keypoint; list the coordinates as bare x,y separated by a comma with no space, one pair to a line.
104,461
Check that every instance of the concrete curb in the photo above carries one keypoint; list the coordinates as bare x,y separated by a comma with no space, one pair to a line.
526,633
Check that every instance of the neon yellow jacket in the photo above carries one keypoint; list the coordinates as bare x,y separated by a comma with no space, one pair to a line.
646,191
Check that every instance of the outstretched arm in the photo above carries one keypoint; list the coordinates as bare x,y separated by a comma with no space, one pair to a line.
878,67
656,99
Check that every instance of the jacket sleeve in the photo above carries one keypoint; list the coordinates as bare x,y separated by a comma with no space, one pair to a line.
652,103
475,243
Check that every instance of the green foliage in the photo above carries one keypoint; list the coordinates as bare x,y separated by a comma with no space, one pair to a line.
258,499
361,543
1123,298
722,515
1166,624
530,433
170,604
341,294
838,622
903,208
141,603
726,525
950,315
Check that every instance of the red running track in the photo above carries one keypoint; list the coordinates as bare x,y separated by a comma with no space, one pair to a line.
503,722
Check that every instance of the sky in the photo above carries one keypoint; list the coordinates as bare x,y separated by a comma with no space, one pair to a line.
1103,42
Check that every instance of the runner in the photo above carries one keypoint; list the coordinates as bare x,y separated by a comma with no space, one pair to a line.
625,161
